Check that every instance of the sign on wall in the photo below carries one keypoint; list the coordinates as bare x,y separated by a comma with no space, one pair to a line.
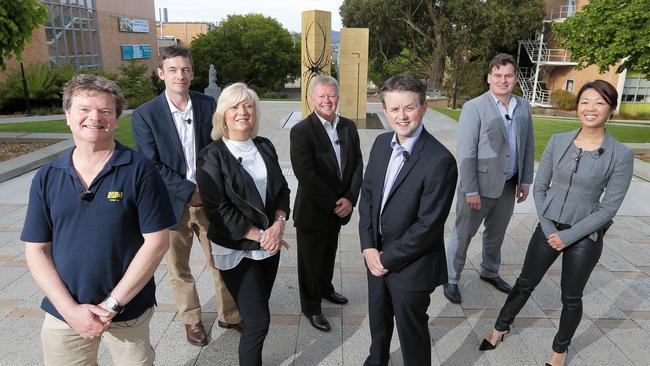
133,25
134,51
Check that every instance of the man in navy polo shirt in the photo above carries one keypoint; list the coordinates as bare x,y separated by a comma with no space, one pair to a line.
96,229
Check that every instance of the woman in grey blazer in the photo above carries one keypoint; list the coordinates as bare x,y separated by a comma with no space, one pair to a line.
576,168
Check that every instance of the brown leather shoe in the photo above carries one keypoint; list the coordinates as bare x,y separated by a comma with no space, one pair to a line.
196,334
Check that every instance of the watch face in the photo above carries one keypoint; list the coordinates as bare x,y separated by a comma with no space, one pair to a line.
111,303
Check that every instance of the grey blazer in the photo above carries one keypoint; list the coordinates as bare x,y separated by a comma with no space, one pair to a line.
567,195
483,150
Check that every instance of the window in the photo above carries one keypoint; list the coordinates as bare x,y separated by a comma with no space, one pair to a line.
72,33
636,89
568,86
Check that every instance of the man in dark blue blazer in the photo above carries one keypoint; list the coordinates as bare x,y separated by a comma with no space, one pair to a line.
405,199
170,130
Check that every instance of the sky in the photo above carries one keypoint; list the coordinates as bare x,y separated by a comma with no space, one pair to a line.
287,12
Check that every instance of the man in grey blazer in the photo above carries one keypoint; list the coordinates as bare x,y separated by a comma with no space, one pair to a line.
496,157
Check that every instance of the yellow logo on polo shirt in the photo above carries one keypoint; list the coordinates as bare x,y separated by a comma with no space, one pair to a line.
115,196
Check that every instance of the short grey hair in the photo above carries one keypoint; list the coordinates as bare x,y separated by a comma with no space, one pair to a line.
89,84
323,79
232,95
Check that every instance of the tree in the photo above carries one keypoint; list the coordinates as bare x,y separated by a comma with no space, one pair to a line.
135,83
609,32
251,48
433,30
18,19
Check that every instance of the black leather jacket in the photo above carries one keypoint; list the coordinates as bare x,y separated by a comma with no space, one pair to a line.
230,198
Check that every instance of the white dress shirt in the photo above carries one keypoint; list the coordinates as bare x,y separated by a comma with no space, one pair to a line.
183,122
330,128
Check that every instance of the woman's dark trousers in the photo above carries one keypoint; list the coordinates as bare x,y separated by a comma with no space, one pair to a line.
250,284
578,260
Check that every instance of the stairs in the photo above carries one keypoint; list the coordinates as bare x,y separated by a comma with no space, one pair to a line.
542,97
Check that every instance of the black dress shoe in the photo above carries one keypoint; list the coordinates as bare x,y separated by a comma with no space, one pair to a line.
336,298
498,283
319,321
452,293
238,327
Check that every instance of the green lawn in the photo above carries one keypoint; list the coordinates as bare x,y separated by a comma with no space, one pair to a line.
545,127
123,133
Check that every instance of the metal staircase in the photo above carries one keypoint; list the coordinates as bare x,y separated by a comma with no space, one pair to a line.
543,58
526,77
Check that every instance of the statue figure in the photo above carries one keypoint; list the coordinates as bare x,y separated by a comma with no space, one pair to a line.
212,77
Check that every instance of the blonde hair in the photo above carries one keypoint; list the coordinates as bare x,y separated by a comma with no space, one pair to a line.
232,95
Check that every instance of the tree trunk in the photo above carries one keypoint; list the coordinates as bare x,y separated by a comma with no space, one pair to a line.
438,69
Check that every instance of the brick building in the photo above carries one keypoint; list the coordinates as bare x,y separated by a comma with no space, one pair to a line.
94,34
544,67
183,33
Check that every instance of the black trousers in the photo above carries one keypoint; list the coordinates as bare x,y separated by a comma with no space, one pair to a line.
250,284
409,308
316,256
578,261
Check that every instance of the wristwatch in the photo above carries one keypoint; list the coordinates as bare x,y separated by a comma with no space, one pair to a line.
112,305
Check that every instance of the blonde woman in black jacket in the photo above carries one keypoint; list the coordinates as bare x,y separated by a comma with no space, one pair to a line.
246,199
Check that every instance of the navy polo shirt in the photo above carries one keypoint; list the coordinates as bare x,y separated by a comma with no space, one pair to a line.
95,240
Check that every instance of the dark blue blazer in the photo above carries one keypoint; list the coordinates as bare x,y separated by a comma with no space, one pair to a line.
156,137
413,219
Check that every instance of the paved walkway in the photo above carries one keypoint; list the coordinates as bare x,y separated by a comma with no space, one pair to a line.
614,331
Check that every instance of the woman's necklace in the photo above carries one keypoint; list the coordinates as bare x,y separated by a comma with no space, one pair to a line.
243,147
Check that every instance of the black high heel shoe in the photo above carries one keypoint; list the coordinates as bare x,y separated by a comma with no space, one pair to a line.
487,346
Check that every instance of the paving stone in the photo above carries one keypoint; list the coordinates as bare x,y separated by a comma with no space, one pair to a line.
23,346
614,262
594,347
22,288
319,348
355,288
617,298
285,297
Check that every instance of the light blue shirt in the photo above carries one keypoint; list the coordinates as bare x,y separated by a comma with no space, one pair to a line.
397,160
508,117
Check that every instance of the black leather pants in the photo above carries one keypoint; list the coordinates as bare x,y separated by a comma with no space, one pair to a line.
578,261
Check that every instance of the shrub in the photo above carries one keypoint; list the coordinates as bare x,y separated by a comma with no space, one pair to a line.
563,99
135,84
44,83
638,116
274,95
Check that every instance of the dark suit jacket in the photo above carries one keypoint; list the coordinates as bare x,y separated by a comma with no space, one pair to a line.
414,214
314,164
156,137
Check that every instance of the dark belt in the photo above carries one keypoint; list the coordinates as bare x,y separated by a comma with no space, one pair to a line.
513,179
561,226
